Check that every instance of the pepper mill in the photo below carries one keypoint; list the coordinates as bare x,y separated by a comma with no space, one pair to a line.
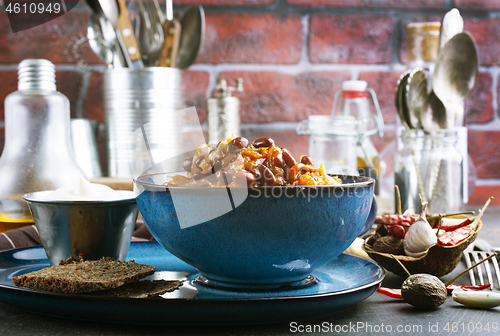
224,112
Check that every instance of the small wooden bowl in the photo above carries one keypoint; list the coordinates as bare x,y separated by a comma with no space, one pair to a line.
438,261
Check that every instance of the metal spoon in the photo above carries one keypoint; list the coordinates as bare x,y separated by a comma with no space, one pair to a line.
451,25
107,9
455,74
191,39
433,117
400,97
416,96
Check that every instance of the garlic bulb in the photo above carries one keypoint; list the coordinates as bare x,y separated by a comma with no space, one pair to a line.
420,237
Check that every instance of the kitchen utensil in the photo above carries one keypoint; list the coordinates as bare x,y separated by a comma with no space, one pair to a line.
455,74
111,11
100,28
106,8
126,35
191,39
94,32
223,112
151,33
484,269
416,96
402,108
169,10
170,48
400,97
433,117
156,34
137,97
451,25
172,32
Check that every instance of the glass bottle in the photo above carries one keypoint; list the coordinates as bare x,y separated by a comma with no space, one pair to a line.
37,154
353,101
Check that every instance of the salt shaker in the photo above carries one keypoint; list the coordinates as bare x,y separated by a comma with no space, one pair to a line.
224,112
37,154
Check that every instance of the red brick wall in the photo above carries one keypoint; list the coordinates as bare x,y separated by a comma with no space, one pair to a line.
293,56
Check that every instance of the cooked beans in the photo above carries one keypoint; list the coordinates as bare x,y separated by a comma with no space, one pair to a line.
239,143
235,162
288,157
263,142
307,160
187,163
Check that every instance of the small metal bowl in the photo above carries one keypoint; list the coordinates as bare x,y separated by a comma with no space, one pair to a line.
94,229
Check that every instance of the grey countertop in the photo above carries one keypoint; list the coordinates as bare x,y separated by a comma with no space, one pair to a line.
377,315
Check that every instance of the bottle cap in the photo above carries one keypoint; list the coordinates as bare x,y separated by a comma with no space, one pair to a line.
354,85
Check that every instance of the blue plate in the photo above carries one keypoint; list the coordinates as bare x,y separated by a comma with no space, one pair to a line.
342,283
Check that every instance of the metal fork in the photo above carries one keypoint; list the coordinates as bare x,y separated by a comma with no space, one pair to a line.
487,268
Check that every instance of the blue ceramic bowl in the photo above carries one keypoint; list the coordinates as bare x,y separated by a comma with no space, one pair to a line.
260,237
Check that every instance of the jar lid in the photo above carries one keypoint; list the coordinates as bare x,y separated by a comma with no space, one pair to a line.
354,85
330,125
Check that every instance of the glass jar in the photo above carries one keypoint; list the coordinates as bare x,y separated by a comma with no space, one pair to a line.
434,165
332,142
422,42
37,154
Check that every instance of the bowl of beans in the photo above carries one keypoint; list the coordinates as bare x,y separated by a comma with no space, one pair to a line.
251,215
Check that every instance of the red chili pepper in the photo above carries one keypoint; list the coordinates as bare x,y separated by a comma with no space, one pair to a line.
396,231
402,220
390,292
395,293
453,227
454,237
451,287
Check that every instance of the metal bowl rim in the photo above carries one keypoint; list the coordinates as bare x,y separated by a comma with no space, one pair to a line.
30,197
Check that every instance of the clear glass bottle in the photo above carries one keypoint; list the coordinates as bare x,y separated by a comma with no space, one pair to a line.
37,154
353,101
432,164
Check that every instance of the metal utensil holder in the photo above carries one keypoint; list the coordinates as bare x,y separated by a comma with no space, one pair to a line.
134,98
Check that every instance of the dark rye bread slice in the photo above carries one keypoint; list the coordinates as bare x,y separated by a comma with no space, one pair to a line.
77,276
141,289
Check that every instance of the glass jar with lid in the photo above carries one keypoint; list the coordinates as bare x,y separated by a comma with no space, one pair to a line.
332,142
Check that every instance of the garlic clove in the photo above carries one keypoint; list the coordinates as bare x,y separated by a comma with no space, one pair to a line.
420,236
478,299
416,254
356,249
